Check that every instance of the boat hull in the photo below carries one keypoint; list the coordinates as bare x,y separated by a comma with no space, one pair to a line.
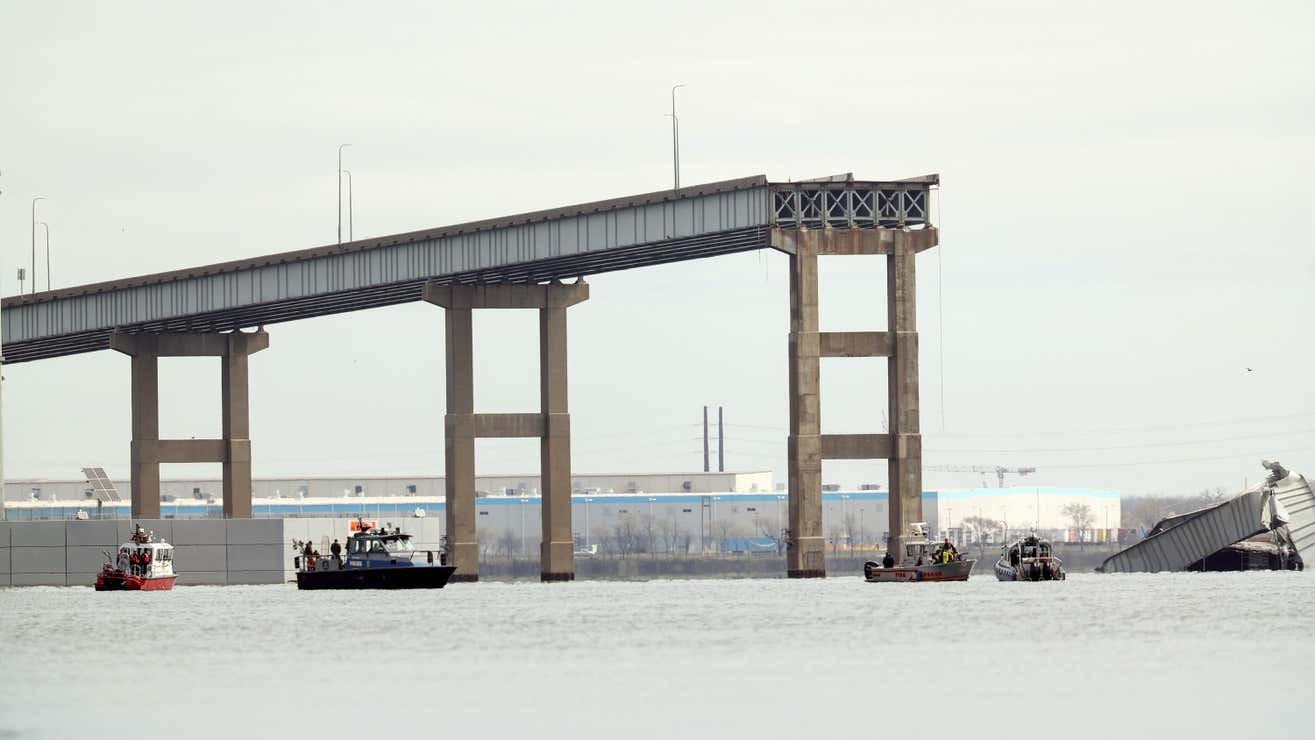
1030,571
117,581
415,576
955,571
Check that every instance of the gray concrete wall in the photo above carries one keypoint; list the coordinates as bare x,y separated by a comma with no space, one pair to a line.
70,553
206,551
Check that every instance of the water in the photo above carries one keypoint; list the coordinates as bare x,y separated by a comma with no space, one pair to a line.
1177,656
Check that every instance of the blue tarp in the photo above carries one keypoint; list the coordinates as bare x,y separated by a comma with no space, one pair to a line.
749,545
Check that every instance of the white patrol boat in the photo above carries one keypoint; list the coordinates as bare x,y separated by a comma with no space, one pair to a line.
375,558
922,561
1029,559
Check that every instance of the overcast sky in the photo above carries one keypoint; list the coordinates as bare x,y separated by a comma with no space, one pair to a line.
1127,212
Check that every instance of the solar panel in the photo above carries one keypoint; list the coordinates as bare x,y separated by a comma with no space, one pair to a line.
102,488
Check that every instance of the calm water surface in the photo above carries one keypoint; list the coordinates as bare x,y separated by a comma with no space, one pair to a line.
1177,656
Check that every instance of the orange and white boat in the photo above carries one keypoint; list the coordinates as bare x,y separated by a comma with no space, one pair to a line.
141,564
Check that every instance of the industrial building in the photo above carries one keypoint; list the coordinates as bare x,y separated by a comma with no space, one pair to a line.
385,486
695,517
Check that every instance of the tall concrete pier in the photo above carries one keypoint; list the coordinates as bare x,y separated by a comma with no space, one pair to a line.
148,451
807,446
552,425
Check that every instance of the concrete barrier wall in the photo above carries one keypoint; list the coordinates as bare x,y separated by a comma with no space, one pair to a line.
206,551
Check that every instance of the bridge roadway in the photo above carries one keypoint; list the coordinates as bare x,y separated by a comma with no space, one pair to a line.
575,241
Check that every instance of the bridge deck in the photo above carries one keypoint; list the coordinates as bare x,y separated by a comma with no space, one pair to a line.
564,243
1180,541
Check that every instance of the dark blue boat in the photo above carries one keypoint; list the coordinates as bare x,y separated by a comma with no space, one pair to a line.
375,559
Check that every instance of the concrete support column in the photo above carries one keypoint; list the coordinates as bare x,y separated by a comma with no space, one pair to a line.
144,450
805,546
906,438
233,451
557,550
459,446
552,425
237,430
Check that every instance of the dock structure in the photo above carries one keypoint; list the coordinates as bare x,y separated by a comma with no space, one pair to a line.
520,261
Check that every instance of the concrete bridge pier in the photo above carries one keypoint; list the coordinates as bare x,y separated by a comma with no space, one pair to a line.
552,425
148,451
807,446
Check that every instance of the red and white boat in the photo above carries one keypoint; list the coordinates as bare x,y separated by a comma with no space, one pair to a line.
922,562
142,564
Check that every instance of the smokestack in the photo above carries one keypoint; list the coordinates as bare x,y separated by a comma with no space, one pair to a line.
721,442
705,439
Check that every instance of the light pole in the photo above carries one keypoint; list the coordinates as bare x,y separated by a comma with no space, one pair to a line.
779,499
675,138
46,227
844,519
523,526
34,242
651,548
340,148
351,231
586,522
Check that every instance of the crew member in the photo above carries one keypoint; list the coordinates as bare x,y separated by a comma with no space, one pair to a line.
336,550
888,561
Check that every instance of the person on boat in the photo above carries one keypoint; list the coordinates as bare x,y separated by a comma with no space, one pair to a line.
336,551
132,563
888,561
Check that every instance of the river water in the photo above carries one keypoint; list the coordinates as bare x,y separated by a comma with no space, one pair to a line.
1114,656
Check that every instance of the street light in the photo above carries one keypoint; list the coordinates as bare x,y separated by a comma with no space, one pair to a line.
340,148
675,138
586,522
651,548
46,226
34,242
523,502
351,231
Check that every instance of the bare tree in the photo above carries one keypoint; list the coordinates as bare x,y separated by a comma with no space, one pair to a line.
834,534
982,528
1079,515
628,535
851,529
508,543
648,526
666,529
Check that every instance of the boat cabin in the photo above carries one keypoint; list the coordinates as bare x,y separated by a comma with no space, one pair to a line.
1028,548
379,544
144,556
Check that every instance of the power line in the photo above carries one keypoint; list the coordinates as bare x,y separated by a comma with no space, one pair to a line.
1187,443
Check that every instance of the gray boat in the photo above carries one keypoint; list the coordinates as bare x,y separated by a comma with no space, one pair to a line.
1029,559
922,561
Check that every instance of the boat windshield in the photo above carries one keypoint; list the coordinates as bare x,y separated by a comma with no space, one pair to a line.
399,545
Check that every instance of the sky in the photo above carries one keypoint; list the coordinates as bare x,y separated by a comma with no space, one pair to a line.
1122,298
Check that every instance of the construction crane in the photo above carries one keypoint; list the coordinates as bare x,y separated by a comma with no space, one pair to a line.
998,470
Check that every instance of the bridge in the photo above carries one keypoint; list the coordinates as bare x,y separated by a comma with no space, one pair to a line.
520,262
